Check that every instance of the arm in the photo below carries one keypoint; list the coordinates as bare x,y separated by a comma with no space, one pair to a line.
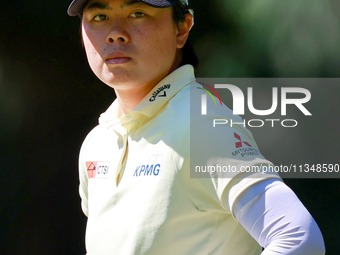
274,216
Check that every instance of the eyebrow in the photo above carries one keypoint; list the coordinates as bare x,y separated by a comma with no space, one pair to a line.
105,6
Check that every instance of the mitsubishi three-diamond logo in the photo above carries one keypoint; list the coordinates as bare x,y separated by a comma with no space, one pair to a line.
239,144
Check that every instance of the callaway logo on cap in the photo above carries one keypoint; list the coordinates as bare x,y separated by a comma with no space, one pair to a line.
76,7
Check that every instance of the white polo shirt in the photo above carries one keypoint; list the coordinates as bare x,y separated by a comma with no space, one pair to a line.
135,180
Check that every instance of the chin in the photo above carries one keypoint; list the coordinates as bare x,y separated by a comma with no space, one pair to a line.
118,81
113,77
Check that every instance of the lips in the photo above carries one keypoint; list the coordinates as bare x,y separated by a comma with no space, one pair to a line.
117,60
117,57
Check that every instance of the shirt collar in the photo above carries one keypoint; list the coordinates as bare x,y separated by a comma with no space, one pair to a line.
155,99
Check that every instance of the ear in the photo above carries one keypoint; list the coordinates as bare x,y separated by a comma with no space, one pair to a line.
184,29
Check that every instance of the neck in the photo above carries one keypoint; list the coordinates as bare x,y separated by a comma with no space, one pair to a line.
128,99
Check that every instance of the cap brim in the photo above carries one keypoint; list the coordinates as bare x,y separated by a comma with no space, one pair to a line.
77,6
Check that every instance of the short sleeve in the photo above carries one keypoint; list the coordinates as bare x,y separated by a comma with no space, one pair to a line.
227,154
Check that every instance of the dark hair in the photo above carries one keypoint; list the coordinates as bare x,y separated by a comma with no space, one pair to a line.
178,14
188,53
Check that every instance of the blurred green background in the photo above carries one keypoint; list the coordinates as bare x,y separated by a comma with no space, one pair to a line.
50,99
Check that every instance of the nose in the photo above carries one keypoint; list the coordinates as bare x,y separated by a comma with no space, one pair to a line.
118,33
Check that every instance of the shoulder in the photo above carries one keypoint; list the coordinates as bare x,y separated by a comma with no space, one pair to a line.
210,116
97,135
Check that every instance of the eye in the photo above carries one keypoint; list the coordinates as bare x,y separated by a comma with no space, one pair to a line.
100,17
137,15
